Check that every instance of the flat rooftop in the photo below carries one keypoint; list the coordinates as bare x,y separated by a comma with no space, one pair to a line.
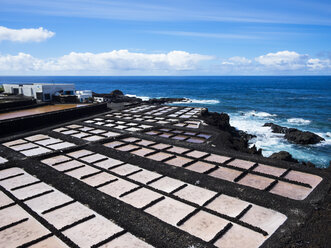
147,176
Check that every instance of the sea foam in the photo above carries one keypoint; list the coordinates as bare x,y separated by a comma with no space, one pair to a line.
298,121
259,114
144,98
188,100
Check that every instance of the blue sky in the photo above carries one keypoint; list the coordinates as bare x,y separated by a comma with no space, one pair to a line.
165,37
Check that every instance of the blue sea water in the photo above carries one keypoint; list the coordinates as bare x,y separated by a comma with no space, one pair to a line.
302,102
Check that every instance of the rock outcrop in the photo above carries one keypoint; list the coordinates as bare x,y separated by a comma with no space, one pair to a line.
165,100
117,96
283,155
295,135
116,93
229,137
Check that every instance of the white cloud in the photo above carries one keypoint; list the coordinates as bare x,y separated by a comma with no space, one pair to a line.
113,62
25,34
278,63
284,60
319,64
236,60
124,62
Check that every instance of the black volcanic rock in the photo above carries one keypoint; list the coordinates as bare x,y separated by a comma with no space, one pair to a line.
303,138
283,155
229,138
295,135
220,120
165,100
116,93
276,128
117,96
308,164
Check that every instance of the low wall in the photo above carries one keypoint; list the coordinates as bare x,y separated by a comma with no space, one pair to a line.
36,105
30,122
16,104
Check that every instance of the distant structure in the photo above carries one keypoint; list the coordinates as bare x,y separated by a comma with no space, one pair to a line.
84,95
41,91
97,97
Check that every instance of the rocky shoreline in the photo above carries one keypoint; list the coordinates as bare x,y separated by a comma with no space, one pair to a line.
230,137
306,218
295,135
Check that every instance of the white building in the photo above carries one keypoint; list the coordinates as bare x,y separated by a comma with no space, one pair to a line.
83,95
39,91
99,99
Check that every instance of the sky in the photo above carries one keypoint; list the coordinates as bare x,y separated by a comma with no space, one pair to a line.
165,37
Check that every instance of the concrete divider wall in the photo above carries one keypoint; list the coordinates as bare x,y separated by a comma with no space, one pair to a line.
34,121
14,104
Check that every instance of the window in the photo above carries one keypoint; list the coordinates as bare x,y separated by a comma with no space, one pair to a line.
67,92
47,97
39,95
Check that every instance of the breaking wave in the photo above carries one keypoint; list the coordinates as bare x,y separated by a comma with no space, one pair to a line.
188,100
259,114
273,142
144,98
298,121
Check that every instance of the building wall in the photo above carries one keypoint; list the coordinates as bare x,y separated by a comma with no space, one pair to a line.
53,88
83,95
99,99
31,90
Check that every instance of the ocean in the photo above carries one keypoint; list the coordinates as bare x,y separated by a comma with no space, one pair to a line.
303,102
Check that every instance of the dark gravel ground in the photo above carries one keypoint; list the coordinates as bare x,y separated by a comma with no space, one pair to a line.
308,223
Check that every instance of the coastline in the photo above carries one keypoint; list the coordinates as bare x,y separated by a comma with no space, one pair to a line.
298,102
217,142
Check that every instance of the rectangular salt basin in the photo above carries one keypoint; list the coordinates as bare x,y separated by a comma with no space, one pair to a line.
145,176
239,236
159,156
256,181
22,233
110,162
62,145
126,240
264,218
241,164
67,215
98,179
18,181
179,161
55,160
52,242
68,165
195,194
140,197
12,214
167,184
93,158
4,199
35,151
228,205
170,210
79,153
45,202
125,169
115,189
200,167
142,152
84,171
204,225
92,231
31,190
3,160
